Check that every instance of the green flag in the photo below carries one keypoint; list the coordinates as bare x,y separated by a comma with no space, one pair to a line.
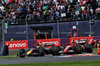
45,7
6,25
98,3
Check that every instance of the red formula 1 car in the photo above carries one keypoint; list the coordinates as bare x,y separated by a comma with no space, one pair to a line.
78,47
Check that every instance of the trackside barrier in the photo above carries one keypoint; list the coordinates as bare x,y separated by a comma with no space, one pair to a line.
98,48
90,39
5,51
56,41
30,43
22,44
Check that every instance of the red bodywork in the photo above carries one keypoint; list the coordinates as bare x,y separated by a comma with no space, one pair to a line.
78,41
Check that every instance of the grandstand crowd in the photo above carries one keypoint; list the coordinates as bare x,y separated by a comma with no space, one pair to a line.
50,10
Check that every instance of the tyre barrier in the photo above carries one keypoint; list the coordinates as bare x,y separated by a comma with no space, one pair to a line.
22,53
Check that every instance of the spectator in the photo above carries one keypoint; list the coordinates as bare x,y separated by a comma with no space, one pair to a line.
97,11
58,7
62,6
58,14
63,10
88,9
68,14
84,2
48,16
91,12
45,2
12,12
75,34
38,15
66,7
88,2
75,8
81,35
2,7
7,17
69,35
11,38
41,16
84,14
80,2
37,36
7,1
54,8
10,19
82,7
79,8
68,3
29,13
45,14
73,14
51,17
0,12
77,4
10,2
34,14
77,14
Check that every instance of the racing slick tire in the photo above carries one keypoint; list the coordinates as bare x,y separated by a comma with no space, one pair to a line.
41,51
55,50
78,49
22,53
89,48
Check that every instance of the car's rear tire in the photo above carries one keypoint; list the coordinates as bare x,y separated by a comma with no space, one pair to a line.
55,50
22,53
78,49
89,48
41,51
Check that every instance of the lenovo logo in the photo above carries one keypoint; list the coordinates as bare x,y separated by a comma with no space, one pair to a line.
17,45
50,42
56,42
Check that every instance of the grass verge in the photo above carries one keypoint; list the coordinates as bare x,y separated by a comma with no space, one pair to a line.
77,63
94,49
11,55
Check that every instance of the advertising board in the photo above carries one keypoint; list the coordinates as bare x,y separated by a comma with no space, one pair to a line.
50,41
17,44
90,39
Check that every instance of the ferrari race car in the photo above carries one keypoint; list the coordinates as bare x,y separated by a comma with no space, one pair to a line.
78,47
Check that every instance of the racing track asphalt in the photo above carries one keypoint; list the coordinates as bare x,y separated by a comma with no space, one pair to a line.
47,59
